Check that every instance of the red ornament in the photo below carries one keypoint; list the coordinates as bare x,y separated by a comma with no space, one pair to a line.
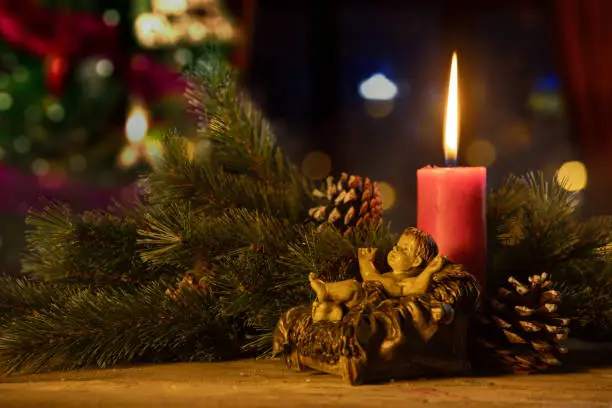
56,68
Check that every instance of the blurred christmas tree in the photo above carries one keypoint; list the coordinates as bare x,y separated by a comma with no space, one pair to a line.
86,89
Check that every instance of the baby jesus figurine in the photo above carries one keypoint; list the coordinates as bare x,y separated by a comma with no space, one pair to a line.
413,261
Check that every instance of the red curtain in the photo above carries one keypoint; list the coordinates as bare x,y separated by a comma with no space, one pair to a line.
585,45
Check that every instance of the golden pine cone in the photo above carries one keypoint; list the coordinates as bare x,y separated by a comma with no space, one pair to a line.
348,203
520,328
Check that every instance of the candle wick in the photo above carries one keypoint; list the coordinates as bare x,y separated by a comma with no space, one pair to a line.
451,163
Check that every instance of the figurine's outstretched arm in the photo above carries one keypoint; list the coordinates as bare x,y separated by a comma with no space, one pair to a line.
369,273
365,256
422,282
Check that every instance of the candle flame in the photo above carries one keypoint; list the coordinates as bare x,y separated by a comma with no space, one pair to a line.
451,121
137,124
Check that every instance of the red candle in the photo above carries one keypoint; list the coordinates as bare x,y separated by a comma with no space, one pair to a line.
452,200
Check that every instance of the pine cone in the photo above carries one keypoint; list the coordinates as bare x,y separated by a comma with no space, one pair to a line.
520,329
188,281
348,203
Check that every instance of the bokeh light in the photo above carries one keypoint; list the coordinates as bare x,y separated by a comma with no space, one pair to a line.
480,153
22,144
378,109
40,167
170,6
546,102
572,176
388,195
153,149
55,112
137,124
183,56
104,67
128,156
197,31
378,88
317,165
111,17
149,27
6,101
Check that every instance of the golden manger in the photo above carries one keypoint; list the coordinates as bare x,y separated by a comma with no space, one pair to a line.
409,322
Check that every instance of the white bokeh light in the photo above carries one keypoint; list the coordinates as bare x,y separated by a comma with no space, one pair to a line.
378,88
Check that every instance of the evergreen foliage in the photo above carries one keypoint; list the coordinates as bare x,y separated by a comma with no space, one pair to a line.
111,326
22,297
589,307
94,247
235,219
535,226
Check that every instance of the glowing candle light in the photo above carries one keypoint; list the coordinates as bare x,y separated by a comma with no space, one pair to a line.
452,200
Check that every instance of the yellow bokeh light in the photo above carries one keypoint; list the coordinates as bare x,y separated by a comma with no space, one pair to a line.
55,112
378,109
317,165
137,124
153,29
41,167
545,102
388,195
170,6
6,101
481,153
197,31
128,157
572,176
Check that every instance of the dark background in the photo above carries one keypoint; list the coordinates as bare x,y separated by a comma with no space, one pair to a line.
308,59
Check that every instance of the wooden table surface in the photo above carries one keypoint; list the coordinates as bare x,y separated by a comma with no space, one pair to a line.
267,383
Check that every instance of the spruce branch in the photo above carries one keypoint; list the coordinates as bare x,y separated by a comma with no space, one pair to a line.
210,188
331,255
48,241
178,236
107,327
93,247
21,297
241,140
589,307
535,226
